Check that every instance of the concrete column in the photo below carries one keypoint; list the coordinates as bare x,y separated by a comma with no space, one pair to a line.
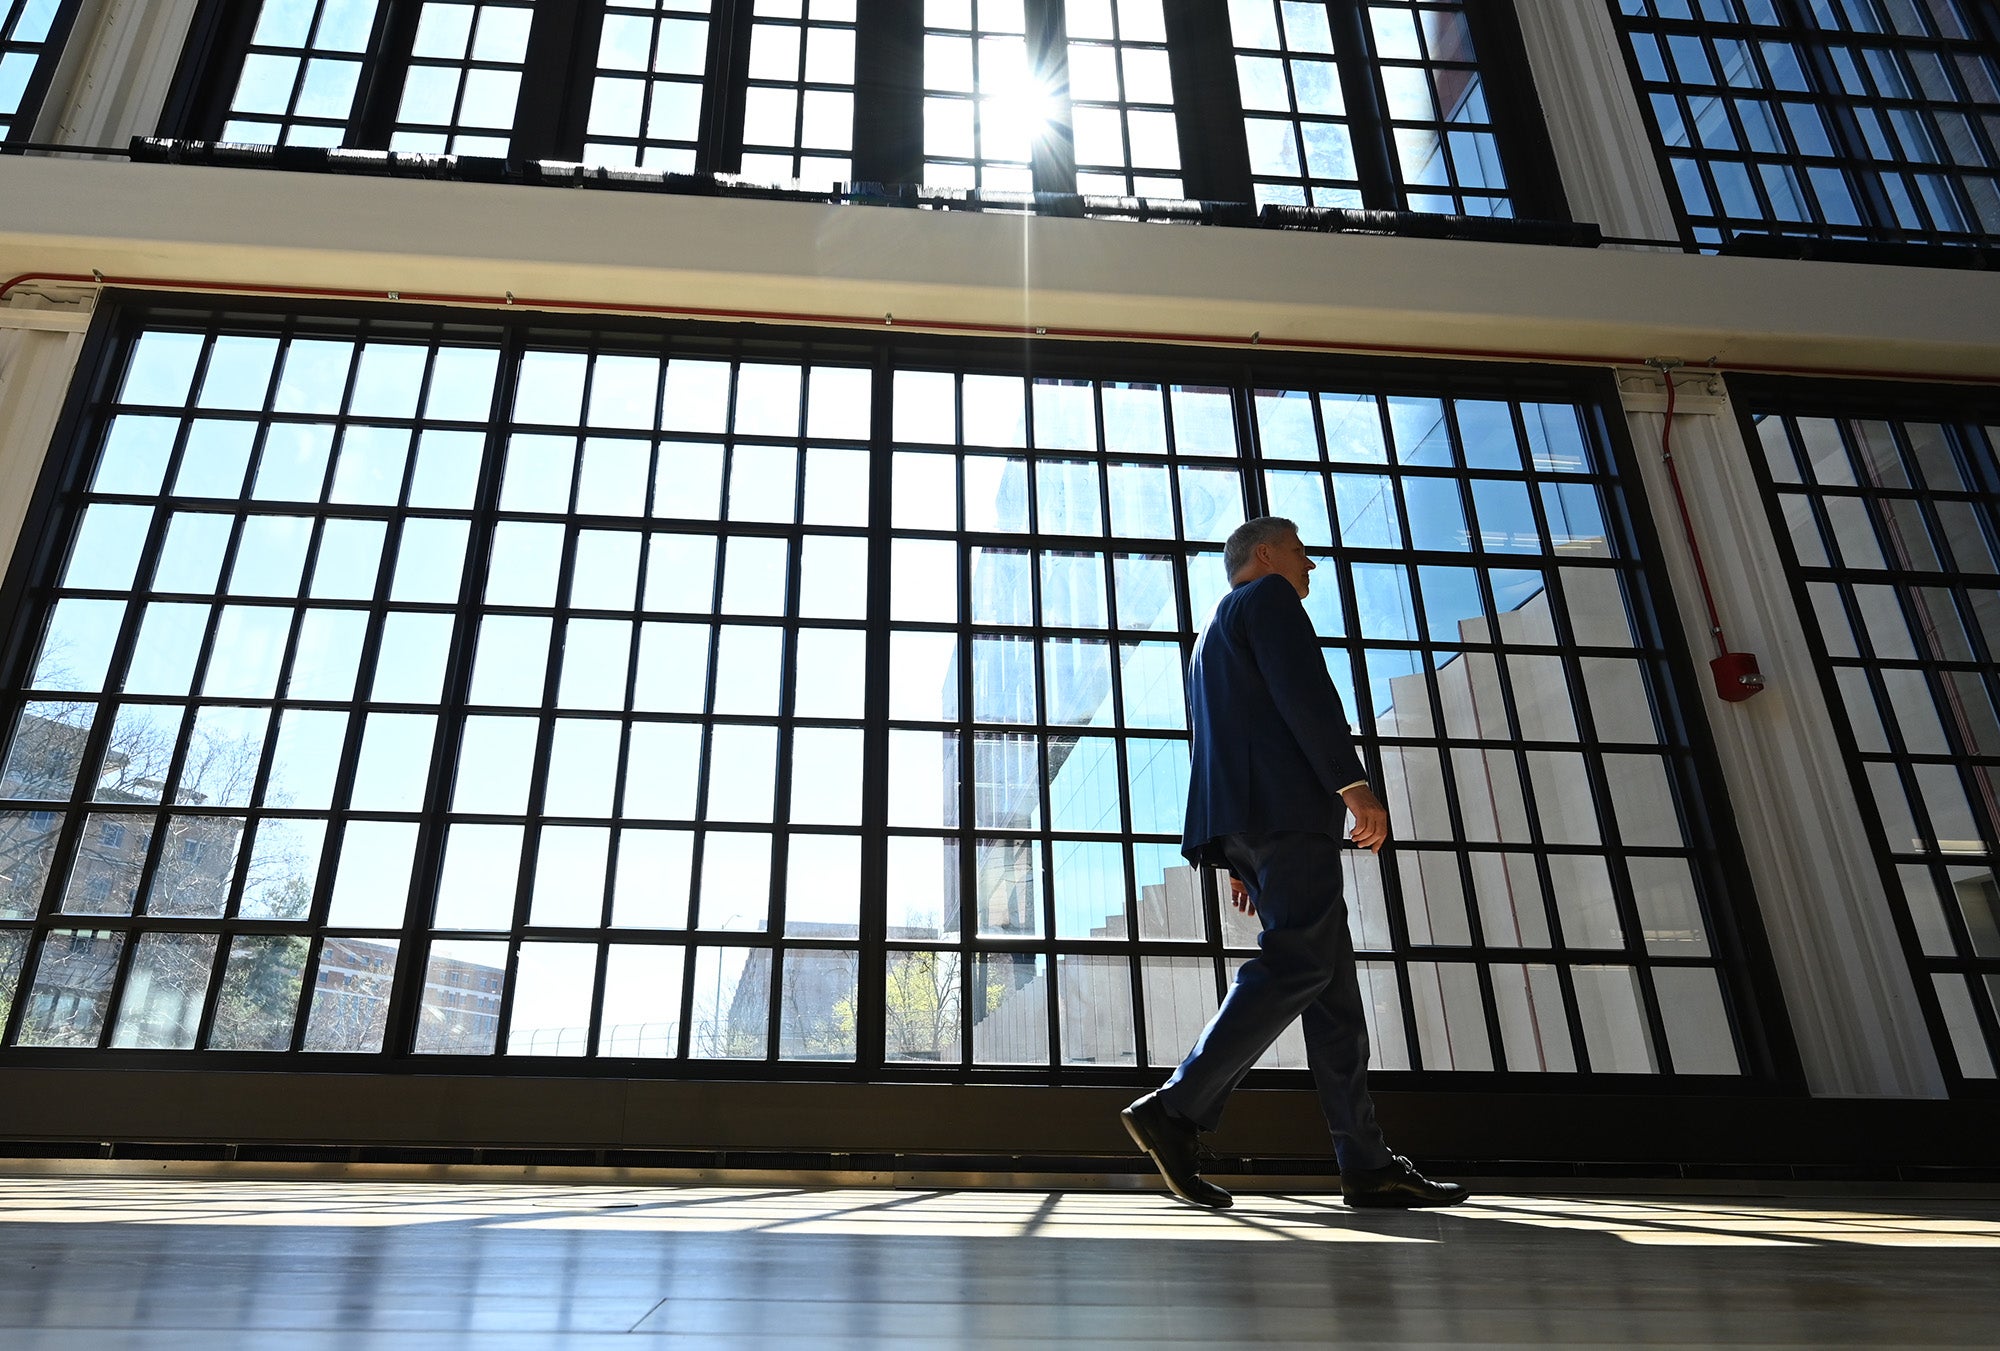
115,71
36,367
1846,983
1602,148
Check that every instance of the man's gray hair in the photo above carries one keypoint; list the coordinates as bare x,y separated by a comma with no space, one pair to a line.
1243,541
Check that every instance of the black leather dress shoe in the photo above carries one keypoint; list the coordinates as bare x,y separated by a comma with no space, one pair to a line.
1175,1148
1397,1184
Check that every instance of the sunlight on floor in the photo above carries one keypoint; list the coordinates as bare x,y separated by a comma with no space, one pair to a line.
960,1214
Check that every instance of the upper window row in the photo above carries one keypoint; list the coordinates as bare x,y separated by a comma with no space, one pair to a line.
1388,104
1840,119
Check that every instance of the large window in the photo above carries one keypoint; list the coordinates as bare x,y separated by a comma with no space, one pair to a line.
31,38
1410,105
1891,510
1839,119
407,686
1328,87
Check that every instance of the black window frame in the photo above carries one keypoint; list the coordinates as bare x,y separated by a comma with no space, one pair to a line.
1763,404
888,142
1738,953
1824,50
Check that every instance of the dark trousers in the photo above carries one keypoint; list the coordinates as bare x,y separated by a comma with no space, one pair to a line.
1305,970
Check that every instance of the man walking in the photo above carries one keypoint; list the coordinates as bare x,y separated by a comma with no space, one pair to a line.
1274,767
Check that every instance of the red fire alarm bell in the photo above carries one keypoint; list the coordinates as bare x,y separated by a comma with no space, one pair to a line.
1736,676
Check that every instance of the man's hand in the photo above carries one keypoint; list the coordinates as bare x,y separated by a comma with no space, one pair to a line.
1239,895
1371,818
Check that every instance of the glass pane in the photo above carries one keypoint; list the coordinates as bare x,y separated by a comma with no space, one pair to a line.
1696,1024
816,1008
1097,1023
1509,892
731,1004
164,990
482,865
1434,910
1010,1015
111,852
196,865
71,988
1534,1034
642,1002
13,946
654,873
371,886
1975,1059
1180,998
460,1011
922,1007
1614,1024
923,888
1669,910
823,886
570,868
1451,1023
259,1001
28,844
554,984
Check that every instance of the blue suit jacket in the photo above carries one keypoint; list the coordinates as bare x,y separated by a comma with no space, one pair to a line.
1272,748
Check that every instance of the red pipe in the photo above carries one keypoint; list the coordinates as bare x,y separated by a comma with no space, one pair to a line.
958,326
1687,520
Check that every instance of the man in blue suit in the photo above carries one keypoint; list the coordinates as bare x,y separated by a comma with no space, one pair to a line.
1274,768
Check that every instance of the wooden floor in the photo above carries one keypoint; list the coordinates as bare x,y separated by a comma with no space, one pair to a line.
109,1263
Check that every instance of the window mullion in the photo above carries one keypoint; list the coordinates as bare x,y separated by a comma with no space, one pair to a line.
1054,150
1208,108
217,40
1374,158
555,91
570,123
1523,130
727,86
399,1035
889,92
388,67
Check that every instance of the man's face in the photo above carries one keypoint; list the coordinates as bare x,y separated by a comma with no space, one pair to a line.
1287,557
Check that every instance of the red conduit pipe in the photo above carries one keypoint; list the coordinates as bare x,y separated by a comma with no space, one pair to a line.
510,301
1736,675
